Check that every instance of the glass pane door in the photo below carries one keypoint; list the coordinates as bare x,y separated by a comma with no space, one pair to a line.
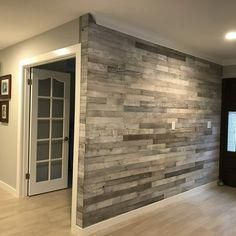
231,146
50,127
49,146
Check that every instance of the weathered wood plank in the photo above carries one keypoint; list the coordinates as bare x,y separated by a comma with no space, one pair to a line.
131,92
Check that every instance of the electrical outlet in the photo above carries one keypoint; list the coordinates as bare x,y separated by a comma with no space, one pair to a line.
173,125
209,124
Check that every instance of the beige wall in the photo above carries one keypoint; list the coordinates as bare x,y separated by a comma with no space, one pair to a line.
62,36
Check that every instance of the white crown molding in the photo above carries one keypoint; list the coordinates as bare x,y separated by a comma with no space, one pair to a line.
151,37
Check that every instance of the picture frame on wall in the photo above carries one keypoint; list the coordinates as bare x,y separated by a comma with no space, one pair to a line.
4,111
5,87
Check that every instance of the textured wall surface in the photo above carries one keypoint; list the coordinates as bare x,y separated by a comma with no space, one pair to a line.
132,91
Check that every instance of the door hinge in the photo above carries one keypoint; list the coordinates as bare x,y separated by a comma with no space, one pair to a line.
27,176
29,81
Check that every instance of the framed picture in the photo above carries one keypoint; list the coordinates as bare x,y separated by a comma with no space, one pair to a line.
4,111
5,87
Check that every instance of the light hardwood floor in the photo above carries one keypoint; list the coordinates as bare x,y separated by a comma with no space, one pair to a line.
208,212
42,215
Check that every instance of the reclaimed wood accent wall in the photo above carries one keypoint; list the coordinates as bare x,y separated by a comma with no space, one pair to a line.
132,91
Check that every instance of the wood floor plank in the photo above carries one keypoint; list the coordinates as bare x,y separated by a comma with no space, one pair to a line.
209,212
205,212
46,214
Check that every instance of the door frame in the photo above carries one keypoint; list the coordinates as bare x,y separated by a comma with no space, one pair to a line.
23,121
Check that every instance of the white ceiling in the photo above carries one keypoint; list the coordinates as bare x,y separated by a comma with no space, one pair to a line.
192,26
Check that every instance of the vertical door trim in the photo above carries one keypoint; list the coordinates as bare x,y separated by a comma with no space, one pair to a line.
23,118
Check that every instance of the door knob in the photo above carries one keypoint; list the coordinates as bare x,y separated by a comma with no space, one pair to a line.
66,139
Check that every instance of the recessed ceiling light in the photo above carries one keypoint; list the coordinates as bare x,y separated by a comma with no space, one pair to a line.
231,35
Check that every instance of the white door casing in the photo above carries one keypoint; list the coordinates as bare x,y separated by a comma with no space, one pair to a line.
73,51
49,131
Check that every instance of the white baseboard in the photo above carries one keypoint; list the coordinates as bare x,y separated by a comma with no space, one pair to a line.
122,220
8,188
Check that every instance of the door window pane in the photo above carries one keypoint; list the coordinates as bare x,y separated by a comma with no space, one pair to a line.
43,107
43,129
56,169
57,108
56,150
231,147
58,88
42,150
42,171
44,87
57,128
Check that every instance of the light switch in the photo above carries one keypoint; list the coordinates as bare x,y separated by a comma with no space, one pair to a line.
209,124
173,125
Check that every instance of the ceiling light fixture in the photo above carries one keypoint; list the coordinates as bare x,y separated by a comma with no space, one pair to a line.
231,35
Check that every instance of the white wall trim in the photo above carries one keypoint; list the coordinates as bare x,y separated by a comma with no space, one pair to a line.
23,121
76,138
107,226
8,188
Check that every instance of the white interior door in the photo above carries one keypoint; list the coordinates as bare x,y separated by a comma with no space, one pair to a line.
48,160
